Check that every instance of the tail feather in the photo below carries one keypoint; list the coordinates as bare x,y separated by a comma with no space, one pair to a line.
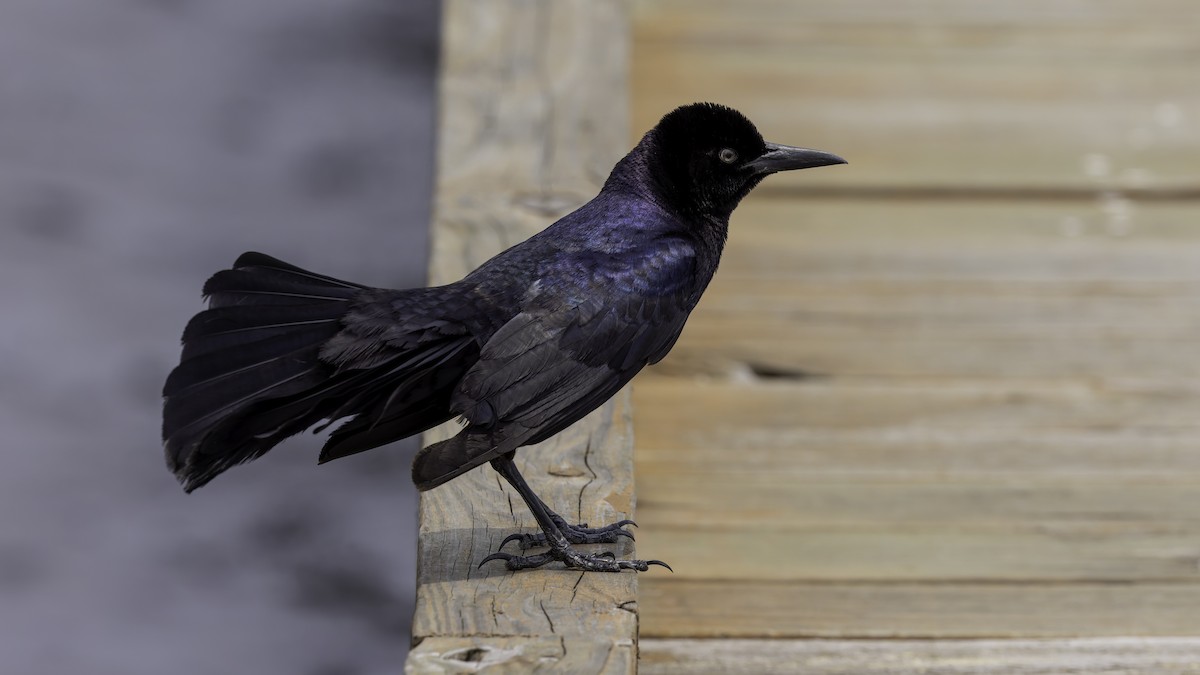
223,361
412,398
280,270
252,287
243,319
364,433
206,397
303,332
252,372
259,343
206,419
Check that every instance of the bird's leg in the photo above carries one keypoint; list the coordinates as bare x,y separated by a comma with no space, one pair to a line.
555,538
574,534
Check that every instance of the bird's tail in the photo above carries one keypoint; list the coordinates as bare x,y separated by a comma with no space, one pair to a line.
250,364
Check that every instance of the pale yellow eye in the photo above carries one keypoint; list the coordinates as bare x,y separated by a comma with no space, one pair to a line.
727,155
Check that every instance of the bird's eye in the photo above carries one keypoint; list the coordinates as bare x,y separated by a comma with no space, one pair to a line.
727,155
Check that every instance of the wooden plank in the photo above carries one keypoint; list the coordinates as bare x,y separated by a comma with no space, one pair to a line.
1112,656
1104,240
520,655
881,429
532,117
1061,302
1030,95
846,480
914,453
950,391
1099,356
922,552
713,502
753,609
1039,330
717,412
916,289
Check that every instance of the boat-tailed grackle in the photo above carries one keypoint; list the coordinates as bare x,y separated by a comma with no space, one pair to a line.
518,350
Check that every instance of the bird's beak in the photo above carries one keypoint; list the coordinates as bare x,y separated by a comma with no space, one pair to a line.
786,158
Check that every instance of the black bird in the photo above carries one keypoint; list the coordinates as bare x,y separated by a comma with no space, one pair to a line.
518,350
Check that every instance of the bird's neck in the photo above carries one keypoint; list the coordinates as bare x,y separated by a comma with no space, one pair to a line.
635,176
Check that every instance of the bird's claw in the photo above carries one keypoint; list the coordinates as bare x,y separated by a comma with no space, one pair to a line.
597,562
499,555
574,534
518,536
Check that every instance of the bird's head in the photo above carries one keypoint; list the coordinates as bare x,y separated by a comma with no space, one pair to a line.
703,158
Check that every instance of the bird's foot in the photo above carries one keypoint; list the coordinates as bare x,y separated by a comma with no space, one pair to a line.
574,534
572,559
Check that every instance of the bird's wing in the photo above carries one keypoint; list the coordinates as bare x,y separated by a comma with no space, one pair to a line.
581,340
397,360
574,346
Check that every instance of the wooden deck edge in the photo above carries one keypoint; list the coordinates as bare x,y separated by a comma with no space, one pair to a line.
533,114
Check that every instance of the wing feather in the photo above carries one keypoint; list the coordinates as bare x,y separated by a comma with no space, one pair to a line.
570,350
557,361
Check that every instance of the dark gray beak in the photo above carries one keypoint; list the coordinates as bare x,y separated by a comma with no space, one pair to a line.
786,158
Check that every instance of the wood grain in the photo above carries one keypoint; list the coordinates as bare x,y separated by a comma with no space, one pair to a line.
520,655
907,480
533,115
1025,96
947,391
1103,239
1108,656
768,412
951,610
919,289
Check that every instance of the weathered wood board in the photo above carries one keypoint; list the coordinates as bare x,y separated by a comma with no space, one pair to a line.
918,420
947,391
533,115
1124,656
518,656
725,608
1102,239
1026,95
864,480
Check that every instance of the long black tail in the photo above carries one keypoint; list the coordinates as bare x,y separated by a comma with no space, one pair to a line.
254,351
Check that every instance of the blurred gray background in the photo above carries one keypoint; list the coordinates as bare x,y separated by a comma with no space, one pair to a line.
144,144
